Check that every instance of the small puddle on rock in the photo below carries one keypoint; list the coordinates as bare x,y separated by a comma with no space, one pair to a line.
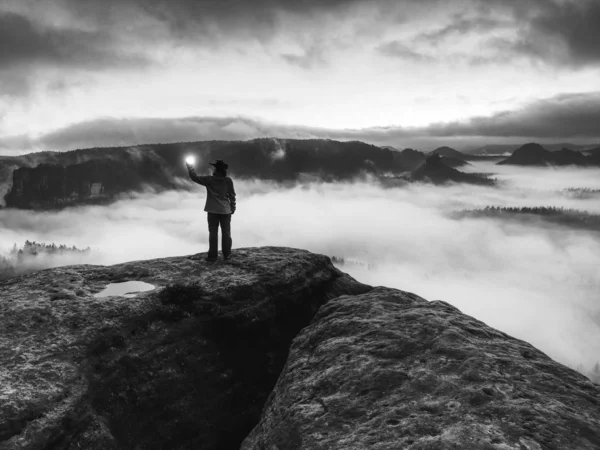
126,289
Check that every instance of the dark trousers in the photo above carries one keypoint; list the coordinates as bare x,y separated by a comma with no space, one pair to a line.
213,234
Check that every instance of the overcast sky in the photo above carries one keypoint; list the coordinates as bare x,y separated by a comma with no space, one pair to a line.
78,73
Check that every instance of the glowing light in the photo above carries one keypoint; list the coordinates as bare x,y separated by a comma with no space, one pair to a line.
190,160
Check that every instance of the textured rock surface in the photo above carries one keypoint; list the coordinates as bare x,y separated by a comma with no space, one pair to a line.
185,366
389,370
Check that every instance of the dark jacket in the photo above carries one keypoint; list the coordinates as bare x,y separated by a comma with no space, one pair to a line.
221,194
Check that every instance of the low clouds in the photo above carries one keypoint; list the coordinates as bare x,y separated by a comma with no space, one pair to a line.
122,132
566,117
107,132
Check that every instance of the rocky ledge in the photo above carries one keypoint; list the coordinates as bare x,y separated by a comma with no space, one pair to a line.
189,364
275,349
390,370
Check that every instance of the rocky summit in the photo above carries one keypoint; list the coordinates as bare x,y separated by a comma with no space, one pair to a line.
274,349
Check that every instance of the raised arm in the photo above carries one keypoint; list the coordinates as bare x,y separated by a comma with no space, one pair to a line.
195,177
231,195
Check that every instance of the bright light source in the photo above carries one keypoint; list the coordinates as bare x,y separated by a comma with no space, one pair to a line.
190,160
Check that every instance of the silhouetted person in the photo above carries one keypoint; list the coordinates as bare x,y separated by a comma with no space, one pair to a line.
220,205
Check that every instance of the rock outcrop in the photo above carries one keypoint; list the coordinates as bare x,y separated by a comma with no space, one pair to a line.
535,155
274,349
449,152
435,171
188,365
390,370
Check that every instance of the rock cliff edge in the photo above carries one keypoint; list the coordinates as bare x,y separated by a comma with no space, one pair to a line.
275,349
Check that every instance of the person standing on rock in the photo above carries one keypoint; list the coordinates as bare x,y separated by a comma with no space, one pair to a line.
220,205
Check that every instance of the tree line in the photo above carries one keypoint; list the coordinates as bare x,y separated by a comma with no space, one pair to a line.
558,215
25,259
345,262
582,193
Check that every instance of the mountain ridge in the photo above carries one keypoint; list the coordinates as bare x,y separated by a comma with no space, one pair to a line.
51,180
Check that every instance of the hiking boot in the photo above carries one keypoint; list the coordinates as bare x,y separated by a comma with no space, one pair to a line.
226,257
210,259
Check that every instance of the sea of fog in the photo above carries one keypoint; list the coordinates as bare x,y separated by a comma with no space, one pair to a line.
537,283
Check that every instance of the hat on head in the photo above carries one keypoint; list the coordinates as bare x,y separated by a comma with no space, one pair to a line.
219,164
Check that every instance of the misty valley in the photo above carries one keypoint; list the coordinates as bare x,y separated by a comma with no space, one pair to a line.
300,225
511,239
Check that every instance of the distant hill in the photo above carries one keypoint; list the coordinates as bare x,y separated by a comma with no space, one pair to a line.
454,156
454,162
56,179
578,147
533,154
409,158
529,155
500,149
433,170
448,152
566,157
594,157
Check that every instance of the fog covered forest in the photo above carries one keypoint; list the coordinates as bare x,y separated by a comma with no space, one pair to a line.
34,256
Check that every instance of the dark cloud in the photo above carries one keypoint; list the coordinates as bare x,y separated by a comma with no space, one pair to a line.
201,19
573,26
26,46
564,116
23,41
